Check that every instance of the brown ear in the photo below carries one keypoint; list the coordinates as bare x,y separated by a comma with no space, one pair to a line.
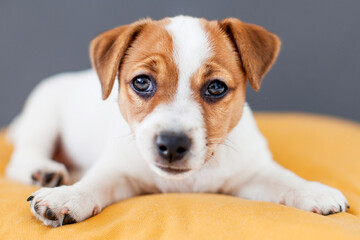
107,51
257,48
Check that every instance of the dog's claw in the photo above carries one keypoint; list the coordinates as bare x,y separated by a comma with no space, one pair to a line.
30,198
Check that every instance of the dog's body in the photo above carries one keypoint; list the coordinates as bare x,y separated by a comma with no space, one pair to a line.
178,129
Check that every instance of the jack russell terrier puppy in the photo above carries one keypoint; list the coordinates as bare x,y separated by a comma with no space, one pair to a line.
175,120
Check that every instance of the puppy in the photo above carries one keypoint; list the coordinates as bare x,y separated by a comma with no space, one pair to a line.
175,120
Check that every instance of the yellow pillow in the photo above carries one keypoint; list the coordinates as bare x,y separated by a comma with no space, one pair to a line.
317,148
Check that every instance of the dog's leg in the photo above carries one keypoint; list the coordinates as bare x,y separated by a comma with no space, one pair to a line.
33,134
103,184
260,178
273,183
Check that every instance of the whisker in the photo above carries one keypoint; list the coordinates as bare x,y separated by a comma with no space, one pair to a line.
224,142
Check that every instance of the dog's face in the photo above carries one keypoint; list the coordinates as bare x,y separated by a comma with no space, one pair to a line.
182,83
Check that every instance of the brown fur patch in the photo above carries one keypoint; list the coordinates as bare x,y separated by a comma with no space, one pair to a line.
221,116
257,48
150,54
240,51
107,52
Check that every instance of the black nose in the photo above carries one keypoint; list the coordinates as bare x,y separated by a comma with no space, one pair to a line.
172,146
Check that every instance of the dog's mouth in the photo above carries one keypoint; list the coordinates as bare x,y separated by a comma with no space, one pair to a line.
173,170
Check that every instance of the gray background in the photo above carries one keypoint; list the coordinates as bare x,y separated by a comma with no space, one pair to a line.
317,71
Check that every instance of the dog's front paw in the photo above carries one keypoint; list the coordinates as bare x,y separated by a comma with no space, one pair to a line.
52,174
62,205
39,172
317,198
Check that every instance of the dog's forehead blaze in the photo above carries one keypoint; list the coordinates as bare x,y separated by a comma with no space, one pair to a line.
203,52
151,54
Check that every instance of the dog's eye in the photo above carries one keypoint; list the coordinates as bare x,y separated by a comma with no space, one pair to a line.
216,89
143,85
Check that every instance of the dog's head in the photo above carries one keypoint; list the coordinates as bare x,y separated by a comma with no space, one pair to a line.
182,83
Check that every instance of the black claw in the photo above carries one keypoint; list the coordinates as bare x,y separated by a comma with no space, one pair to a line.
36,208
348,206
50,215
59,181
48,177
30,198
68,220
340,208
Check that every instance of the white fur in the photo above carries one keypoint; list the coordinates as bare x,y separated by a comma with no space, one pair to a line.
191,49
117,164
